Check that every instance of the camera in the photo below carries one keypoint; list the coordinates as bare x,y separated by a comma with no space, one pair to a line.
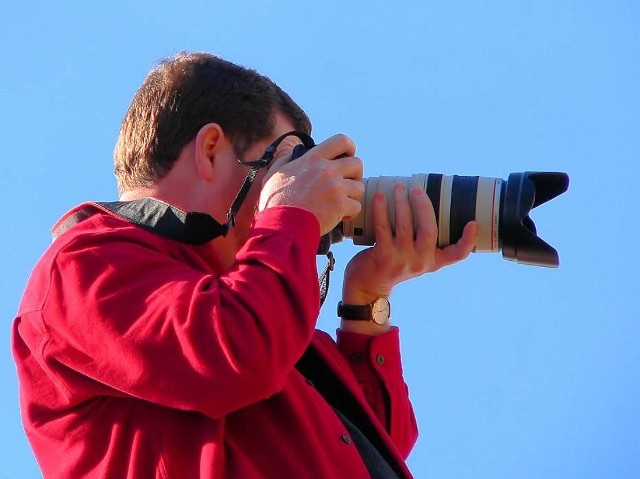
500,207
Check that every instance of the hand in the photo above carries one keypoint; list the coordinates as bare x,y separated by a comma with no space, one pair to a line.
327,180
374,272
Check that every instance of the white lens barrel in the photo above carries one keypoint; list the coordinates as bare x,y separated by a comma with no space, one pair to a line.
488,214
456,200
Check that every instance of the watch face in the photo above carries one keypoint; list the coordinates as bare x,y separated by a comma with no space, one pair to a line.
380,311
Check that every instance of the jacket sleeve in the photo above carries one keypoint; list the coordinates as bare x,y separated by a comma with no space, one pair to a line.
376,363
123,317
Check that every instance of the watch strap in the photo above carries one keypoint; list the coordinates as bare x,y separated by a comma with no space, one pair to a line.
355,312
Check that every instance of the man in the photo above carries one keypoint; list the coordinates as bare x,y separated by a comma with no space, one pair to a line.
156,343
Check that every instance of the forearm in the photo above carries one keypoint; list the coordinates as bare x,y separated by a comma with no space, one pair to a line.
180,335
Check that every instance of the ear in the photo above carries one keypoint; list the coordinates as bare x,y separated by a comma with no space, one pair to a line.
207,144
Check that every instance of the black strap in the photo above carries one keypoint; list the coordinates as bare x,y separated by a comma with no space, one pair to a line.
153,215
315,369
376,464
324,277
166,220
240,197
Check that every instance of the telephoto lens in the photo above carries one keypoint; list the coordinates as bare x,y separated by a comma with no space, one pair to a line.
500,207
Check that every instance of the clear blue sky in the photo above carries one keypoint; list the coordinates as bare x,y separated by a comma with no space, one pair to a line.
515,371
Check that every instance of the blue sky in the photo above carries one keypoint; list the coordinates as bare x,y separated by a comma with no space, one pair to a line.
514,371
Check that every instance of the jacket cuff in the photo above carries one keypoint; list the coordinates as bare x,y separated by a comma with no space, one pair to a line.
297,223
372,357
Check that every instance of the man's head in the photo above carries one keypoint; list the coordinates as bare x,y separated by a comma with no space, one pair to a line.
182,95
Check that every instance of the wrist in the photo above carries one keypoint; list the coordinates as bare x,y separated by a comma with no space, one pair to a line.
352,294
371,318
364,327
363,285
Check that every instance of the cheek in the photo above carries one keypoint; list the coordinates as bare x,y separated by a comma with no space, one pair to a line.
249,207
233,184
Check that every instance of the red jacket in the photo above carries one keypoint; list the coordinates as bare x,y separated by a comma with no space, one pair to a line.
138,357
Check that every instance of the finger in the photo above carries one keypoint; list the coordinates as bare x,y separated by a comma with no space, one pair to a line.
355,188
352,208
403,225
336,146
286,146
427,227
350,167
381,221
459,251
469,238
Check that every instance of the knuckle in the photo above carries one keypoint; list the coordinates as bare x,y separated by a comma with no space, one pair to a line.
382,228
345,141
328,175
336,190
431,235
342,138
426,264
359,168
314,156
403,228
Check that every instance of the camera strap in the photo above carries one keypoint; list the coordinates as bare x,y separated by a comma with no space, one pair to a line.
324,277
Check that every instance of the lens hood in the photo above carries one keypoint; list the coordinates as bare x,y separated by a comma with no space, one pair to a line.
524,192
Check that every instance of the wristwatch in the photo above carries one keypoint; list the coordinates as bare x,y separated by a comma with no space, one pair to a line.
379,311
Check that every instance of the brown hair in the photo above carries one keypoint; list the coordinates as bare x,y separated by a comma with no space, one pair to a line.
180,96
